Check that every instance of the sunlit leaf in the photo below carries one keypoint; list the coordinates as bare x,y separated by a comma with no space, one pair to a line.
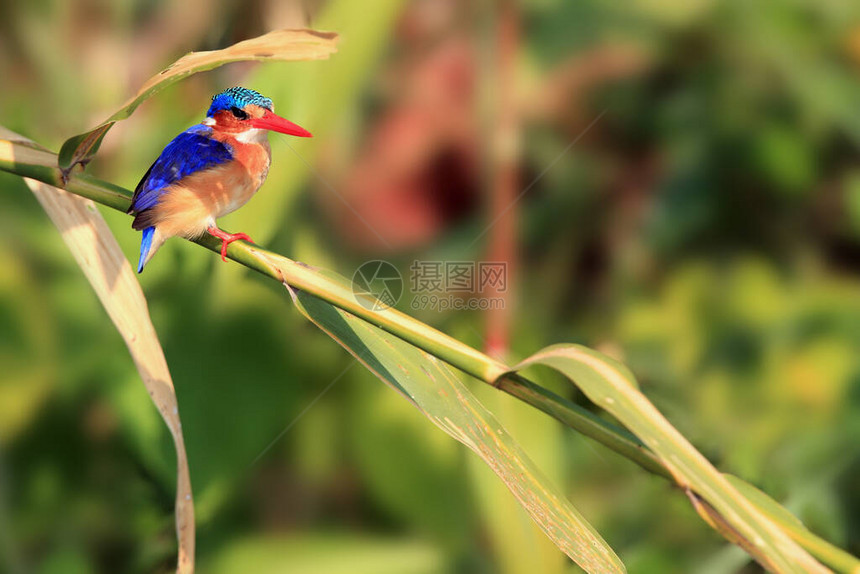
824,551
95,249
518,543
609,384
285,45
431,386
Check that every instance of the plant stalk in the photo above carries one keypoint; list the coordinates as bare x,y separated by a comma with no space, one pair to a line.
335,291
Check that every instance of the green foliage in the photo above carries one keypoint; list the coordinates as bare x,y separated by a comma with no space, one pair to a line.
726,277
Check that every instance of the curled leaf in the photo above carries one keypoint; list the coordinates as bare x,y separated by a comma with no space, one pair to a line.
285,45
608,383
831,555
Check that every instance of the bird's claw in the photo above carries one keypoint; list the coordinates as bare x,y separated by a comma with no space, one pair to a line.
227,239
225,242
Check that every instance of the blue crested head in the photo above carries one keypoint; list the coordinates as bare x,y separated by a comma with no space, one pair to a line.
238,97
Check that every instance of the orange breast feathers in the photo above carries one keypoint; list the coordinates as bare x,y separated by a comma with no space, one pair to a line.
192,205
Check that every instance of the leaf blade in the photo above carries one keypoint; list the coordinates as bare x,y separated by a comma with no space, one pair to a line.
432,388
282,45
99,256
608,383
828,553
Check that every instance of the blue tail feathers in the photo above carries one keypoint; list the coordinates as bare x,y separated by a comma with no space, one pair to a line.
145,245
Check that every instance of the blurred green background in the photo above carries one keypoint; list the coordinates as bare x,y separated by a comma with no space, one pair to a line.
706,229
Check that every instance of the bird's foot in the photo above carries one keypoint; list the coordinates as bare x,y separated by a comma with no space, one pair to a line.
227,239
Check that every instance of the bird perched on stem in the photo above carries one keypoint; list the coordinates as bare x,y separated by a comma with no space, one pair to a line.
207,171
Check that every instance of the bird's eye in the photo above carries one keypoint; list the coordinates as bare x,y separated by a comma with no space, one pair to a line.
239,113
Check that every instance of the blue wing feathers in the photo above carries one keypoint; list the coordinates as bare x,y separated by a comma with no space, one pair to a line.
189,152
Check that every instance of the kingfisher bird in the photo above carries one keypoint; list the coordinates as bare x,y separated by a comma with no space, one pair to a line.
209,170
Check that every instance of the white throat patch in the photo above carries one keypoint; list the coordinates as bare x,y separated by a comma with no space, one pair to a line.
253,135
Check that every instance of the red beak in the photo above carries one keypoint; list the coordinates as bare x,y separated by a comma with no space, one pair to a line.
274,122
